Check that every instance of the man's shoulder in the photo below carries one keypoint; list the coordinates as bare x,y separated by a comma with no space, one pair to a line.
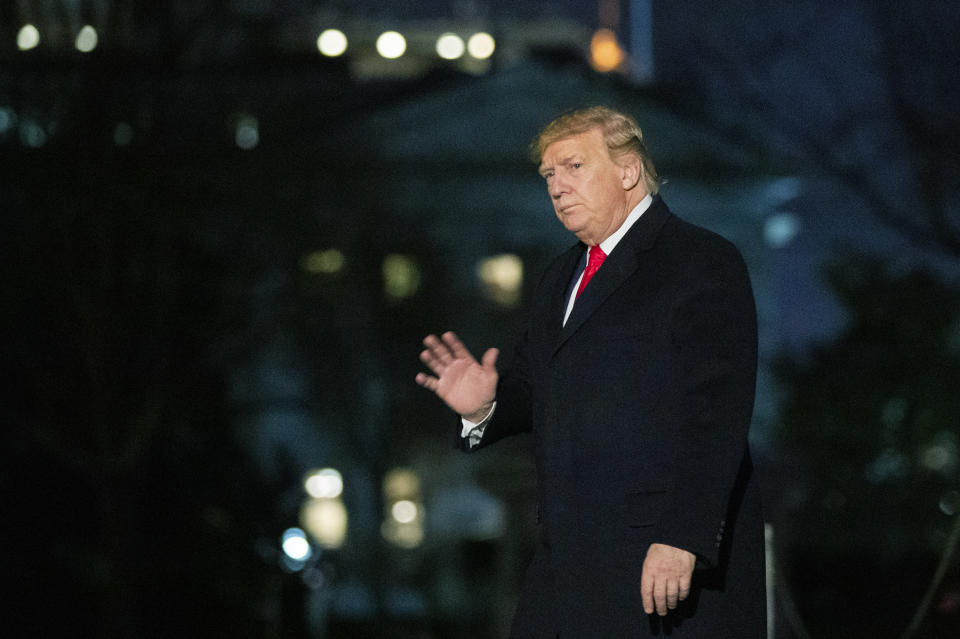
688,237
697,251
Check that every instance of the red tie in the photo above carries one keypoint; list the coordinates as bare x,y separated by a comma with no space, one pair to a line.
593,264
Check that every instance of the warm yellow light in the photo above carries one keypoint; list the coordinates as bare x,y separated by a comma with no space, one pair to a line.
450,46
86,40
401,483
403,524
401,276
502,277
332,43
404,511
481,45
391,45
325,520
605,52
404,535
323,262
28,37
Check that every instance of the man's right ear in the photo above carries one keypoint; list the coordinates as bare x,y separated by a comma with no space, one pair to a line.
631,172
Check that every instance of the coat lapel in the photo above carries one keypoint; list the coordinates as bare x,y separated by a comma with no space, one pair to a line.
620,265
566,270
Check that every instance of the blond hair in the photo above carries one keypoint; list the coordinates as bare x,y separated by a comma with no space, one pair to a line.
621,134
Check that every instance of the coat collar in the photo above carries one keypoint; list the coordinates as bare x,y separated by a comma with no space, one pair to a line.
618,266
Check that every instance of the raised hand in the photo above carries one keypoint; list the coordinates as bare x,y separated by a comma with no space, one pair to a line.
464,384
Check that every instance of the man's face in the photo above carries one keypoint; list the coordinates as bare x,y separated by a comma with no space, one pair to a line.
586,186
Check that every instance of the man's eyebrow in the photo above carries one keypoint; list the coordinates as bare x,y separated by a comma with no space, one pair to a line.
567,160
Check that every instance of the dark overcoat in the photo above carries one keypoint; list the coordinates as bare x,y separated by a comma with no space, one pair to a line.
639,408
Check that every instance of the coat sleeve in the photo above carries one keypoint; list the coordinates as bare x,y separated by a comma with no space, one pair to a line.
714,343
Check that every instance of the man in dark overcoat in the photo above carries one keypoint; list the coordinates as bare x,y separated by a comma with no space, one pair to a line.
636,376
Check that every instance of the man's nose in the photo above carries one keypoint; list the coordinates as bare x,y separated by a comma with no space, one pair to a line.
558,186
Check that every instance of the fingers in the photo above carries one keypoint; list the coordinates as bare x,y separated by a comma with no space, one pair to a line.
441,352
490,358
684,588
666,578
646,591
437,350
455,346
672,596
427,382
432,362
660,596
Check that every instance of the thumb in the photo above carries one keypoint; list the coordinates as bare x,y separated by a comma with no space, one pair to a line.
490,358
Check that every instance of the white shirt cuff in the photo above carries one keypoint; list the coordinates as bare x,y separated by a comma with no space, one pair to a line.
473,431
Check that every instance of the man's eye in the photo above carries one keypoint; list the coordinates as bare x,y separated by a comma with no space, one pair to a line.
577,165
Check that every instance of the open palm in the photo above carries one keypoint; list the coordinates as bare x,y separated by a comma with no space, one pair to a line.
464,384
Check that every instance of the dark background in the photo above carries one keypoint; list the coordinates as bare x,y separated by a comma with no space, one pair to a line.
221,249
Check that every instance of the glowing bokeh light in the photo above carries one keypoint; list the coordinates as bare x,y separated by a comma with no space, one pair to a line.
450,46
325,483
481,45
247,134
605,51
323,262
781,229
326,521
28,37
502,277
7,119
391,45
32,134
950,503
86,39
404,511
332,42
295,544
401,483
122,134
401,276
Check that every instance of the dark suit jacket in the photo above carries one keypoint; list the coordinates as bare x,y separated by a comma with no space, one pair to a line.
640,407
